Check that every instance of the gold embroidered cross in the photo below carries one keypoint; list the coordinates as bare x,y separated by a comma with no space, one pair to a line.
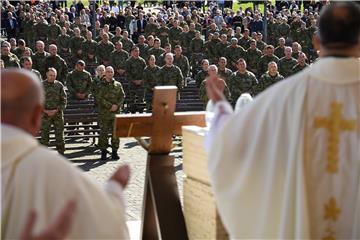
335,123
331,211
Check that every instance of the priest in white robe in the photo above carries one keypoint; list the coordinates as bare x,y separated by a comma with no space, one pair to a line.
287,166
37,179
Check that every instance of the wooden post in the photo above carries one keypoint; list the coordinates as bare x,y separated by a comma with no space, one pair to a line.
162,216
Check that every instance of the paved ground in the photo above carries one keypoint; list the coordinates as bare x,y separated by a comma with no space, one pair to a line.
86,156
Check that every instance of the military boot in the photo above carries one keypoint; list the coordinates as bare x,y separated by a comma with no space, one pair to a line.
115,155
103,155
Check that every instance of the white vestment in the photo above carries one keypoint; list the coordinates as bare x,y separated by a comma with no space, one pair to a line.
288,164
35,178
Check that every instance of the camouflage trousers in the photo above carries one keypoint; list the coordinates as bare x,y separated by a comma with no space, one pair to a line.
106,124
58,122
136,95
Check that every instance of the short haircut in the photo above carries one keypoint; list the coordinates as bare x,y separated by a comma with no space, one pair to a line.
339,25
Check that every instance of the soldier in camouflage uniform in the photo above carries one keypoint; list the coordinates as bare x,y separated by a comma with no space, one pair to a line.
5,56
54,30
203,73
55,61
156,50
245,40
223,71
211,50
151,27
233,53
280,49
181,61
110,97
89,50
265,59
79,82
260,44
118,58
196,49
39,58
287,63
296,49
135,66
55,103
213,70
127,42
29,32
41,29
104,49
163,33
242,81
76,45
283,29
170,74
269,78
150,76
118,36
26,63
253,54
221,46
63,42
301,63
161,61
143,47
19,51
175,33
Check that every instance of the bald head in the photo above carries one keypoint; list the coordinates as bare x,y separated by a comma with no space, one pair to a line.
21,99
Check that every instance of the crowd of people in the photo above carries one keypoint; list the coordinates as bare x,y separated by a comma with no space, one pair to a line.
88,50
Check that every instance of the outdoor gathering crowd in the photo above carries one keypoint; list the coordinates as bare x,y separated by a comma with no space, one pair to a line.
78,57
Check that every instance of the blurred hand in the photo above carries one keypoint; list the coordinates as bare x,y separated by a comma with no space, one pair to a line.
214,88
122,176
57,230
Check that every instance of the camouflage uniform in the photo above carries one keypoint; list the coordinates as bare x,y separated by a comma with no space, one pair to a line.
37,73
174,35
29,33
127,44
89,52
134,71
252,58
279,52
19,52
53,32
211,50
200,76
242,83
144,48
157,53
261,45
115,39
267,80
163,35
39,62
108,93
59,64
264,61
203,96
76,45
298,68
196,49
41,31
225,74
245,42
103,51
171,75
220,49
283,30
232,54
55,98
183,63
150,76
63,41
118,59
10,61
79,82
286,65
151,29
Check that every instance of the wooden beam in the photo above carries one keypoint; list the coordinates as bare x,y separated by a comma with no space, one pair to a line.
164,103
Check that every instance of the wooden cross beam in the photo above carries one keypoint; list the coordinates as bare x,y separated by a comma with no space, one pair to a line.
162,213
